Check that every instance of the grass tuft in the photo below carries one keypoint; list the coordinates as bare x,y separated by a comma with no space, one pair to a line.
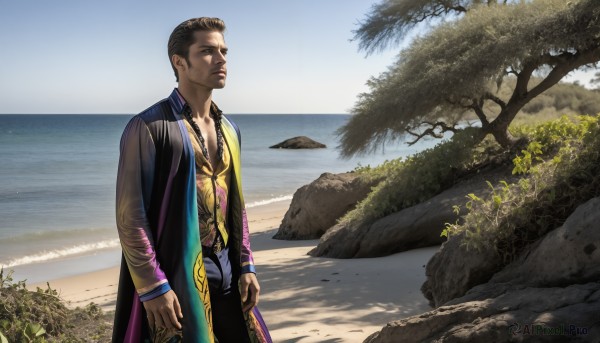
41,316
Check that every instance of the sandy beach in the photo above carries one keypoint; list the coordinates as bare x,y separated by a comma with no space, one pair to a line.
303,299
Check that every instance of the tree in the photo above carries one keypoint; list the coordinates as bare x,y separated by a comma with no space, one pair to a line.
456,67
596,80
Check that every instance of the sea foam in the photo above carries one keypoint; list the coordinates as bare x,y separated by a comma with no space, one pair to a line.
269,201
61,253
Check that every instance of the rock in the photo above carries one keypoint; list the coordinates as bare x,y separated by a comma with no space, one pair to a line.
347,235
561,256
513,314
317,206
568,254
414,227
453,270
301,142
550,293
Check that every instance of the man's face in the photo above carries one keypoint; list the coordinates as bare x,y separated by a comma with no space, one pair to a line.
206,67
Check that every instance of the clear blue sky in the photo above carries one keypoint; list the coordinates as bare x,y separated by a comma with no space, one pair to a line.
109,56
77,56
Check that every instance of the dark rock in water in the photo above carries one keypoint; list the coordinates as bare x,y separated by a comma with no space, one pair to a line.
317,206
301,142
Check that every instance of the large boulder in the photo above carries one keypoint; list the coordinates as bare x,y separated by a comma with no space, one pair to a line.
506,313
300,142
411,228
567,254
556,259
550,293
317,206
453,270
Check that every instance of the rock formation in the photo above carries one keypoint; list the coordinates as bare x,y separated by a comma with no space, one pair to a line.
505,313
411,228
453,270
317,206
550,293
300,142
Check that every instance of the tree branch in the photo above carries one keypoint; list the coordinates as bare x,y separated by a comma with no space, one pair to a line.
512,71
568,62
495,99
458,8
554,60
521,95
460,102
523,78
431,131
449,6
477,106
524,75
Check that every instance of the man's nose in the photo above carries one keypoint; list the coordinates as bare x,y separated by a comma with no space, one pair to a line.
221,58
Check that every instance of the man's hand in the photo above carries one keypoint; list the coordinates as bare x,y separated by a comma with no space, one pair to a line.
164,310
249,291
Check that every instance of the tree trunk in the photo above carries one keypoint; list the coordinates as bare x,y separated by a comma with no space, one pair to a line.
499,126
502,136
562,65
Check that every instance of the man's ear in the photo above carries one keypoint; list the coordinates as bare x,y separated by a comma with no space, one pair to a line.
179,62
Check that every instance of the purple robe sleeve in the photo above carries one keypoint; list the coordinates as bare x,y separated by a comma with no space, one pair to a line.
134,188
247,259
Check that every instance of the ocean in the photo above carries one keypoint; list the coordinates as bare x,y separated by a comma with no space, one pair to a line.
57,182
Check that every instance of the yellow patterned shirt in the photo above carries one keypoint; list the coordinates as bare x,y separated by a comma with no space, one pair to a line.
212,188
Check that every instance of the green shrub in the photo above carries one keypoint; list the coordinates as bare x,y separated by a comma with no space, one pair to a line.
41,316
27,316
417,178
561,170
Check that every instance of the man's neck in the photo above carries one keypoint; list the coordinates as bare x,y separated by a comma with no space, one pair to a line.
199,100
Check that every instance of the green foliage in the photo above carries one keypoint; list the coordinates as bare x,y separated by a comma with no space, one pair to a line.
40,316
419,177
389,21
455,68
33,332
27,316
560,169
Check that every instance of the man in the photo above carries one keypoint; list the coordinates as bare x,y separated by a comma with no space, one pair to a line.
187,272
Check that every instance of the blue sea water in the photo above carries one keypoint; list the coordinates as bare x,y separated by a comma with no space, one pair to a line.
57,182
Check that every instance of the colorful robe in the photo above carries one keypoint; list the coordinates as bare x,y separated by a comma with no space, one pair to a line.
157,220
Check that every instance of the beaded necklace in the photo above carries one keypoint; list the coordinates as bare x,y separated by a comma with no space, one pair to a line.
216,115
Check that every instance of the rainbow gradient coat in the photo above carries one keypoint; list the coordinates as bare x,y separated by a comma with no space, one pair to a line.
157,220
